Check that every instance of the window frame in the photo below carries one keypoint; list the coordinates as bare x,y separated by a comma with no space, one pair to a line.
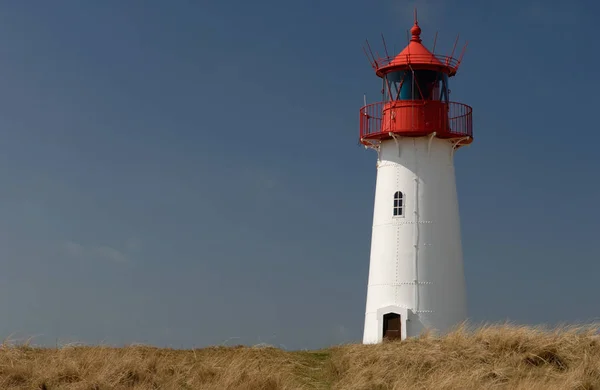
399,205
414,81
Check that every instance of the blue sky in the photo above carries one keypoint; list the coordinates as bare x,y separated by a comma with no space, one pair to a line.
187,173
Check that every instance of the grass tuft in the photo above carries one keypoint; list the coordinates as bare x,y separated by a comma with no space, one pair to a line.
490,357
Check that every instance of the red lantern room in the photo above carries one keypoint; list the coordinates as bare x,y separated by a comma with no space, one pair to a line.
416,97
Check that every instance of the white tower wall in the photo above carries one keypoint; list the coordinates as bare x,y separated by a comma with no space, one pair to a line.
416,265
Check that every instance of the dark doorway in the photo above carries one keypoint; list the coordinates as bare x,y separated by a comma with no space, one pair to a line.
392,328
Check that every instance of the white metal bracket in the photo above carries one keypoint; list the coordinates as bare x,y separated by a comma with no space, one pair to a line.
455,146
431,136
396,138
371,145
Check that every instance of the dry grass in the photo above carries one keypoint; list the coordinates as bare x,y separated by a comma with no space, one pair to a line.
496,357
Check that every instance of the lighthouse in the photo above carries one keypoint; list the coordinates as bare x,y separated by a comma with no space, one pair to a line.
416,278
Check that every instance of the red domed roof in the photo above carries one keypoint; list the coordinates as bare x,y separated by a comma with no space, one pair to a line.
416,56
415,52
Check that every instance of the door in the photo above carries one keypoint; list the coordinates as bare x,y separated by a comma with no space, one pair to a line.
392,328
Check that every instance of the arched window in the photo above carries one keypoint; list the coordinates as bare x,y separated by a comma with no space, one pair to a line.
398,204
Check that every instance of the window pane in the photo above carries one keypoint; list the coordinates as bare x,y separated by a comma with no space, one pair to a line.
398,203
426,81
444,93
407,92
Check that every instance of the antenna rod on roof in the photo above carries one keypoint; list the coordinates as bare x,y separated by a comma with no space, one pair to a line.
371,51
455,43
416,21
434,42
385,46
369,58
462,53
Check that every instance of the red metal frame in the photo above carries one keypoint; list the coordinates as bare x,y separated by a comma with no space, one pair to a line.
414,56
421,59
416,59
416,118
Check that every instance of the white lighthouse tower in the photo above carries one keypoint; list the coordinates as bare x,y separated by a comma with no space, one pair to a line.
416,278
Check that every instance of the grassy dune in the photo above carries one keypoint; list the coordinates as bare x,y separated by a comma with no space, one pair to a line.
495,357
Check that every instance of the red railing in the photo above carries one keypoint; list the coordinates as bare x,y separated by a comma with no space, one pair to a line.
448,61
416,118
